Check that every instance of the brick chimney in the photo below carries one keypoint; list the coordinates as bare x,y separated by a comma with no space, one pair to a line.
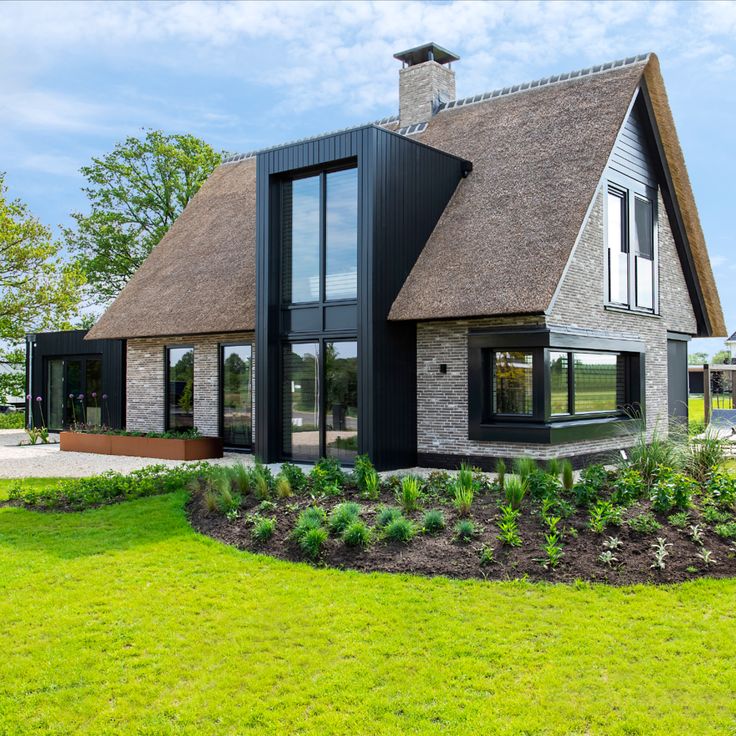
426,80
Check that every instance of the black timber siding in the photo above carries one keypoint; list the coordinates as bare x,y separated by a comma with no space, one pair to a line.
633,154
403,188
69,344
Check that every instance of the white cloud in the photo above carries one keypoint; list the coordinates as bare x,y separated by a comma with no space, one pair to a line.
51,163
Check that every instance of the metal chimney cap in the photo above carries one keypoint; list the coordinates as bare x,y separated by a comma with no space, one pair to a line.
426,52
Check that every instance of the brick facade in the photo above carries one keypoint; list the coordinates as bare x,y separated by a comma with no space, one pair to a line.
146,370
442,398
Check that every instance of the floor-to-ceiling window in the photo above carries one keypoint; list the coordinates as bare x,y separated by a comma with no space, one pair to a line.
237,395
319,288
179,388
73,391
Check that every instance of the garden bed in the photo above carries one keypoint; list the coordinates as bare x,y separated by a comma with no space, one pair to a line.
107,443
598,540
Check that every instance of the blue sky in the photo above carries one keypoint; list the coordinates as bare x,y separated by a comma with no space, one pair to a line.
77,77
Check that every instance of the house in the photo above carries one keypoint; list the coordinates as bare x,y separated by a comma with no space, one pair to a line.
514,273
731,345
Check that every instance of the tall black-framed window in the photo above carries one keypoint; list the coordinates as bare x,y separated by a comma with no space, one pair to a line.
236,394
631,245
320,399
179,388
319,237
543,386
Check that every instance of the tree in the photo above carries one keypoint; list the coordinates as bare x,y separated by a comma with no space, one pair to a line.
135,194
721,357
697,358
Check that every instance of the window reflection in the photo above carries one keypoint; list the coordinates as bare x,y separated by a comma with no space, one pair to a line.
236,396
512,382
301,240
341,411
180,389
341,280
301,401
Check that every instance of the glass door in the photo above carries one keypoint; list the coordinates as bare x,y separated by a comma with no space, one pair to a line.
68,379
55,393
301,398
236,395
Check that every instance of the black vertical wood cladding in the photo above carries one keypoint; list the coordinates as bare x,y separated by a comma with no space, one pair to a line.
403,188
71,343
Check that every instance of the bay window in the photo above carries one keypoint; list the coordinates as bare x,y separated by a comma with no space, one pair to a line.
630,234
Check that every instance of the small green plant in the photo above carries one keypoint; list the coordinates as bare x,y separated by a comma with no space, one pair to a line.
515,489
613,543
671,490
295,475
327,477
554,466
465,531
602,514
261,481
721,490
644,523
433,522
312,542
726,530
408,494
680,519
371,484
312,518
232,514
628,487
713,515
362,466
568,476
263,528
500,472
463,495
283,486
552,549
387,514
342,516
697,533
508,526
705,455
651,452
267,506
706,556
524,466
399,530
357,534
240,478
660,553
465,476
486,555
590,485
210,497
607,557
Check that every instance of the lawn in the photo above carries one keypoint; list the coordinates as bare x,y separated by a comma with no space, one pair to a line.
122,620
696,405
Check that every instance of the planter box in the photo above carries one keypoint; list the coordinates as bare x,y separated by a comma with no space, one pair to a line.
202,448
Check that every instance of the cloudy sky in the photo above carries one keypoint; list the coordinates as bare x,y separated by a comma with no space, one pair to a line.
77,77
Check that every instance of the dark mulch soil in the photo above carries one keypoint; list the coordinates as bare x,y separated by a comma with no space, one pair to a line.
440,555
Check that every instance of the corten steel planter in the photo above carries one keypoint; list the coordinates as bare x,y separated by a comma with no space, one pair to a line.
202,448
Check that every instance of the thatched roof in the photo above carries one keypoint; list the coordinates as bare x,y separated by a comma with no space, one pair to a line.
538,155
500,247
201,277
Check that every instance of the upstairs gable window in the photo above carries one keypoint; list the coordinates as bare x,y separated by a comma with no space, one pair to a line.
631,247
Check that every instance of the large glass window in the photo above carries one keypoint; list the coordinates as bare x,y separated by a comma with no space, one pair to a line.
93,378
559,383
300,218
596,382
319,224
341,407
341,276
55,393
180,388
301,399
237,403
513,382
630,239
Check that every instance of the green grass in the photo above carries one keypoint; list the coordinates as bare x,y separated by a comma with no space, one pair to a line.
696,405
121,620
7,483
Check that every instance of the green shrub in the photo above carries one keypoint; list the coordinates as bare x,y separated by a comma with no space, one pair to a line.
568,476
628,487
541,484
357,534
465,531
680,520
312,542
554,466
515,490
524,466
713,515
312,518
440,483
705,455
465,476
644,523
552,549
295,475
433,522
399,529
342,516
590,485
387,514
672,490
239,478
508,526
12,420
602,514
327,477
408,494
262,481
500,472
263,528
362,466
371,485
726,530
721,490
647,454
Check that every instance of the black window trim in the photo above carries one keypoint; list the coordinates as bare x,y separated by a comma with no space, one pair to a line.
630,189
542,426
221,393
167,349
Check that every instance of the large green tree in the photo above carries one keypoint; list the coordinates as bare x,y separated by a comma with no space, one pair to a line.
38,290
135,193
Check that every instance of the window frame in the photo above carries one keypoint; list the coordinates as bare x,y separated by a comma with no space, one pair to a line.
630,190
542,426
221,392
167,369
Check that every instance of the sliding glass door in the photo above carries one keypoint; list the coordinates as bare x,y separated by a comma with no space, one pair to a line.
236,369
319,422
73,391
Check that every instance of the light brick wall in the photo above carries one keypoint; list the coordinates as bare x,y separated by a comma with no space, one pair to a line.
420,87
442,399
146,392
